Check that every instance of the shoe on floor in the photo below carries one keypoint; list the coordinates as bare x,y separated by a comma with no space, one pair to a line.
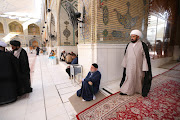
83,100
94,97
123,94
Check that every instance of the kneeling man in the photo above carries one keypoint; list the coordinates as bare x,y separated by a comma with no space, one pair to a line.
90,85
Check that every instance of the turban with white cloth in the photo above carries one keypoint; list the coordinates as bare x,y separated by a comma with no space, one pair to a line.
3,44
136,32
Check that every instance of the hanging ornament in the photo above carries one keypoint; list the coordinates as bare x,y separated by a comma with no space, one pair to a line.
101,3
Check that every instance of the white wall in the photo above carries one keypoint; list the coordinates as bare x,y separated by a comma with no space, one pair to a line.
107,56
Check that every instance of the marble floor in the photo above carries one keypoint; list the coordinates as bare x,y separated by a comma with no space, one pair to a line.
49,99
51,90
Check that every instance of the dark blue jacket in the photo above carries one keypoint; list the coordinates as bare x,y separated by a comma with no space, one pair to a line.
95,79
75,61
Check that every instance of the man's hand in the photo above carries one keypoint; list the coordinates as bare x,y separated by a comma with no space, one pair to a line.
90,83
68,66
80,80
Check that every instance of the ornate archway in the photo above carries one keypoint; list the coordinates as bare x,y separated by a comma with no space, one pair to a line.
33,43
1,28
68,35
15,28
33,29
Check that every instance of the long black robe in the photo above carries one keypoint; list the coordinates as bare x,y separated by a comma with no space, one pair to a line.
87,91
37,50
148,74
24,83
8,77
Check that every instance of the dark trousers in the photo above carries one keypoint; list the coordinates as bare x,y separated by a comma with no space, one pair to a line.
68,71
37,53
62,59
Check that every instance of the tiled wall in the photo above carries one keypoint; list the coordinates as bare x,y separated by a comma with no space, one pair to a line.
116,18
68,35
112,21
86,29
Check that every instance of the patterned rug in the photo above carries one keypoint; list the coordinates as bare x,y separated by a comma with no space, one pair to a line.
174,72
177,67
162,102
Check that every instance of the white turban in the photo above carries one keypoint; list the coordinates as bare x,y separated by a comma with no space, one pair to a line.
136,32
3,44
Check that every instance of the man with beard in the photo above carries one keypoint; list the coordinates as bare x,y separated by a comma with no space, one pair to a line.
137,75
90,85
24,83
8,76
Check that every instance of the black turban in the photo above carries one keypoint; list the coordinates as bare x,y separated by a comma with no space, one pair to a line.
15,43
95,65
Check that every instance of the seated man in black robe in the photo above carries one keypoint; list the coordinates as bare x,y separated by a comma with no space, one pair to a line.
8,76
63,55
75,61
24,83
90,85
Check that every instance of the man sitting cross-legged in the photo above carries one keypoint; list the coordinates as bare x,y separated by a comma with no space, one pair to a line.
90,85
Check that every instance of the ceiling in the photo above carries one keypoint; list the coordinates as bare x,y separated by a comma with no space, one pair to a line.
20,9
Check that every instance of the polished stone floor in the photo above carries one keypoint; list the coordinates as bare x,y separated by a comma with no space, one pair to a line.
51,90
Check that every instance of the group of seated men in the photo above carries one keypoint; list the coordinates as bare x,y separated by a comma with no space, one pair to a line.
68,58
90,84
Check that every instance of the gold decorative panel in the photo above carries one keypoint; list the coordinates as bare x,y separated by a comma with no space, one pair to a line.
1,28
15,28
33,29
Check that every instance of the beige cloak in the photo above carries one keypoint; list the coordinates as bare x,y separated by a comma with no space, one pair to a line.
135,63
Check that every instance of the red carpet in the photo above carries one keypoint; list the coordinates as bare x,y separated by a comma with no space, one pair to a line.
162,102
